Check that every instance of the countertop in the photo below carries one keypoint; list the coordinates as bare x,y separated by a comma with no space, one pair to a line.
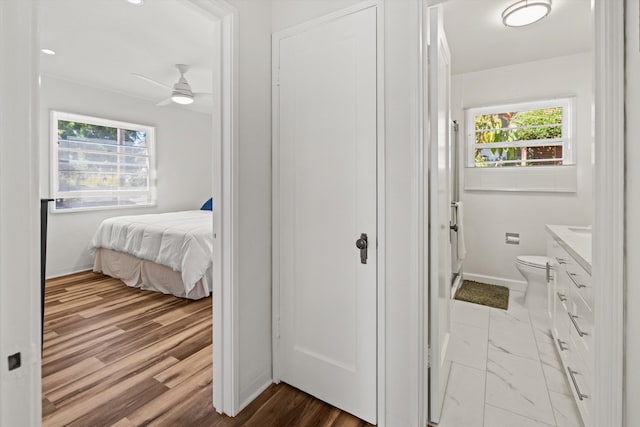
576,241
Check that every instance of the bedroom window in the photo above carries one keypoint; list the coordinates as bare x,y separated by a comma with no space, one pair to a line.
529,134
101,164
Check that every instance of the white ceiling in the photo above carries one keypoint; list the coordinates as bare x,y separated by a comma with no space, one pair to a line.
101,42
478,40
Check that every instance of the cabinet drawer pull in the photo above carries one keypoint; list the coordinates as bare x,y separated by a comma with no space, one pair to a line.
561,260
573,318
561,297
562,344
575,383
578,285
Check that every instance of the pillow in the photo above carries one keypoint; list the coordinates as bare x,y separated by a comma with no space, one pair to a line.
208,205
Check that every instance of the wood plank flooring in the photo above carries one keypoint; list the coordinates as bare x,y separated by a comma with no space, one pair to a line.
118,356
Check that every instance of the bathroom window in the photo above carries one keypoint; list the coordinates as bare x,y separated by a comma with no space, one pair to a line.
100,164
529,134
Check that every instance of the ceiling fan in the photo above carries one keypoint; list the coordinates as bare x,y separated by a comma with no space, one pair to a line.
181,92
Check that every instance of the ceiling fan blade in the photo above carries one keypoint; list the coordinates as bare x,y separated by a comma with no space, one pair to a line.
201,95
155,82
164,102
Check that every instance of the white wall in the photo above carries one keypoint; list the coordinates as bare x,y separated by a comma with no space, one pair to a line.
402,117
632,235
401,137
254,196
183,153
489,215
287,13
20,399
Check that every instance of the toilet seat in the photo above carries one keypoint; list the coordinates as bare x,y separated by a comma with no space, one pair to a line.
533,261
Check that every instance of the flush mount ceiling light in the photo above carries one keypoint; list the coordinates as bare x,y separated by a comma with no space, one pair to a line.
525,12
48,51
136,2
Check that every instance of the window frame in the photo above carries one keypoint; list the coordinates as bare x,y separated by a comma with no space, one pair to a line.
56,116
568,131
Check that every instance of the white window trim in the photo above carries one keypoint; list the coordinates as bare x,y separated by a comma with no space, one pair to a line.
547,179
568,130
53,135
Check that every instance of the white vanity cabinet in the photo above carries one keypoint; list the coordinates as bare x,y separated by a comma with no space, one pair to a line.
570,309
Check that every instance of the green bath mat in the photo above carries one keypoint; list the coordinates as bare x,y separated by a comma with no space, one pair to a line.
481,293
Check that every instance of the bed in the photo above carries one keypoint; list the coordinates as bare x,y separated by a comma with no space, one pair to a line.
168,252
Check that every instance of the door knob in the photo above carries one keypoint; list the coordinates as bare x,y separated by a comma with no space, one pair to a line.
363,244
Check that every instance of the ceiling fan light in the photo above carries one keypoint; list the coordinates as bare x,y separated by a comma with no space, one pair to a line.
525,12
136,2
181,99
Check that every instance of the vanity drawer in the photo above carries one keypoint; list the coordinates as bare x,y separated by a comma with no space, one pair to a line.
570,299
581,328
581,385
557,254
561,324
581,281
572,274
579,377
560,255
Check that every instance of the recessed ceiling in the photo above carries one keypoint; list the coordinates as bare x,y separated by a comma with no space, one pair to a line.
479,40
101,42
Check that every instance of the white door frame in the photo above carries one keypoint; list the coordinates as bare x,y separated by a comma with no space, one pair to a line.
20,398
225,225
608,233
608,228
21,389
423,219
381,288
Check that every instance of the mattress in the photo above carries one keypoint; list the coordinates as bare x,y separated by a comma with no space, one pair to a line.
180,241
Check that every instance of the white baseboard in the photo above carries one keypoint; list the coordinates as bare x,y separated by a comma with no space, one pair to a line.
513,285
66,271
245,402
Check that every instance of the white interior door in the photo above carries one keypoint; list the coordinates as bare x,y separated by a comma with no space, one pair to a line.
326,174
439,296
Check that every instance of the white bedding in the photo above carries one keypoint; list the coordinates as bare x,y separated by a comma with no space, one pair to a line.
182,241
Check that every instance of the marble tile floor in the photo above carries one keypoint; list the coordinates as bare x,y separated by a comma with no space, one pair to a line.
505,370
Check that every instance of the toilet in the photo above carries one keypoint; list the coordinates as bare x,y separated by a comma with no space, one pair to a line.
534,270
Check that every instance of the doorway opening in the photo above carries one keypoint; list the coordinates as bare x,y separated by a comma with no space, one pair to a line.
513,182
114,66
